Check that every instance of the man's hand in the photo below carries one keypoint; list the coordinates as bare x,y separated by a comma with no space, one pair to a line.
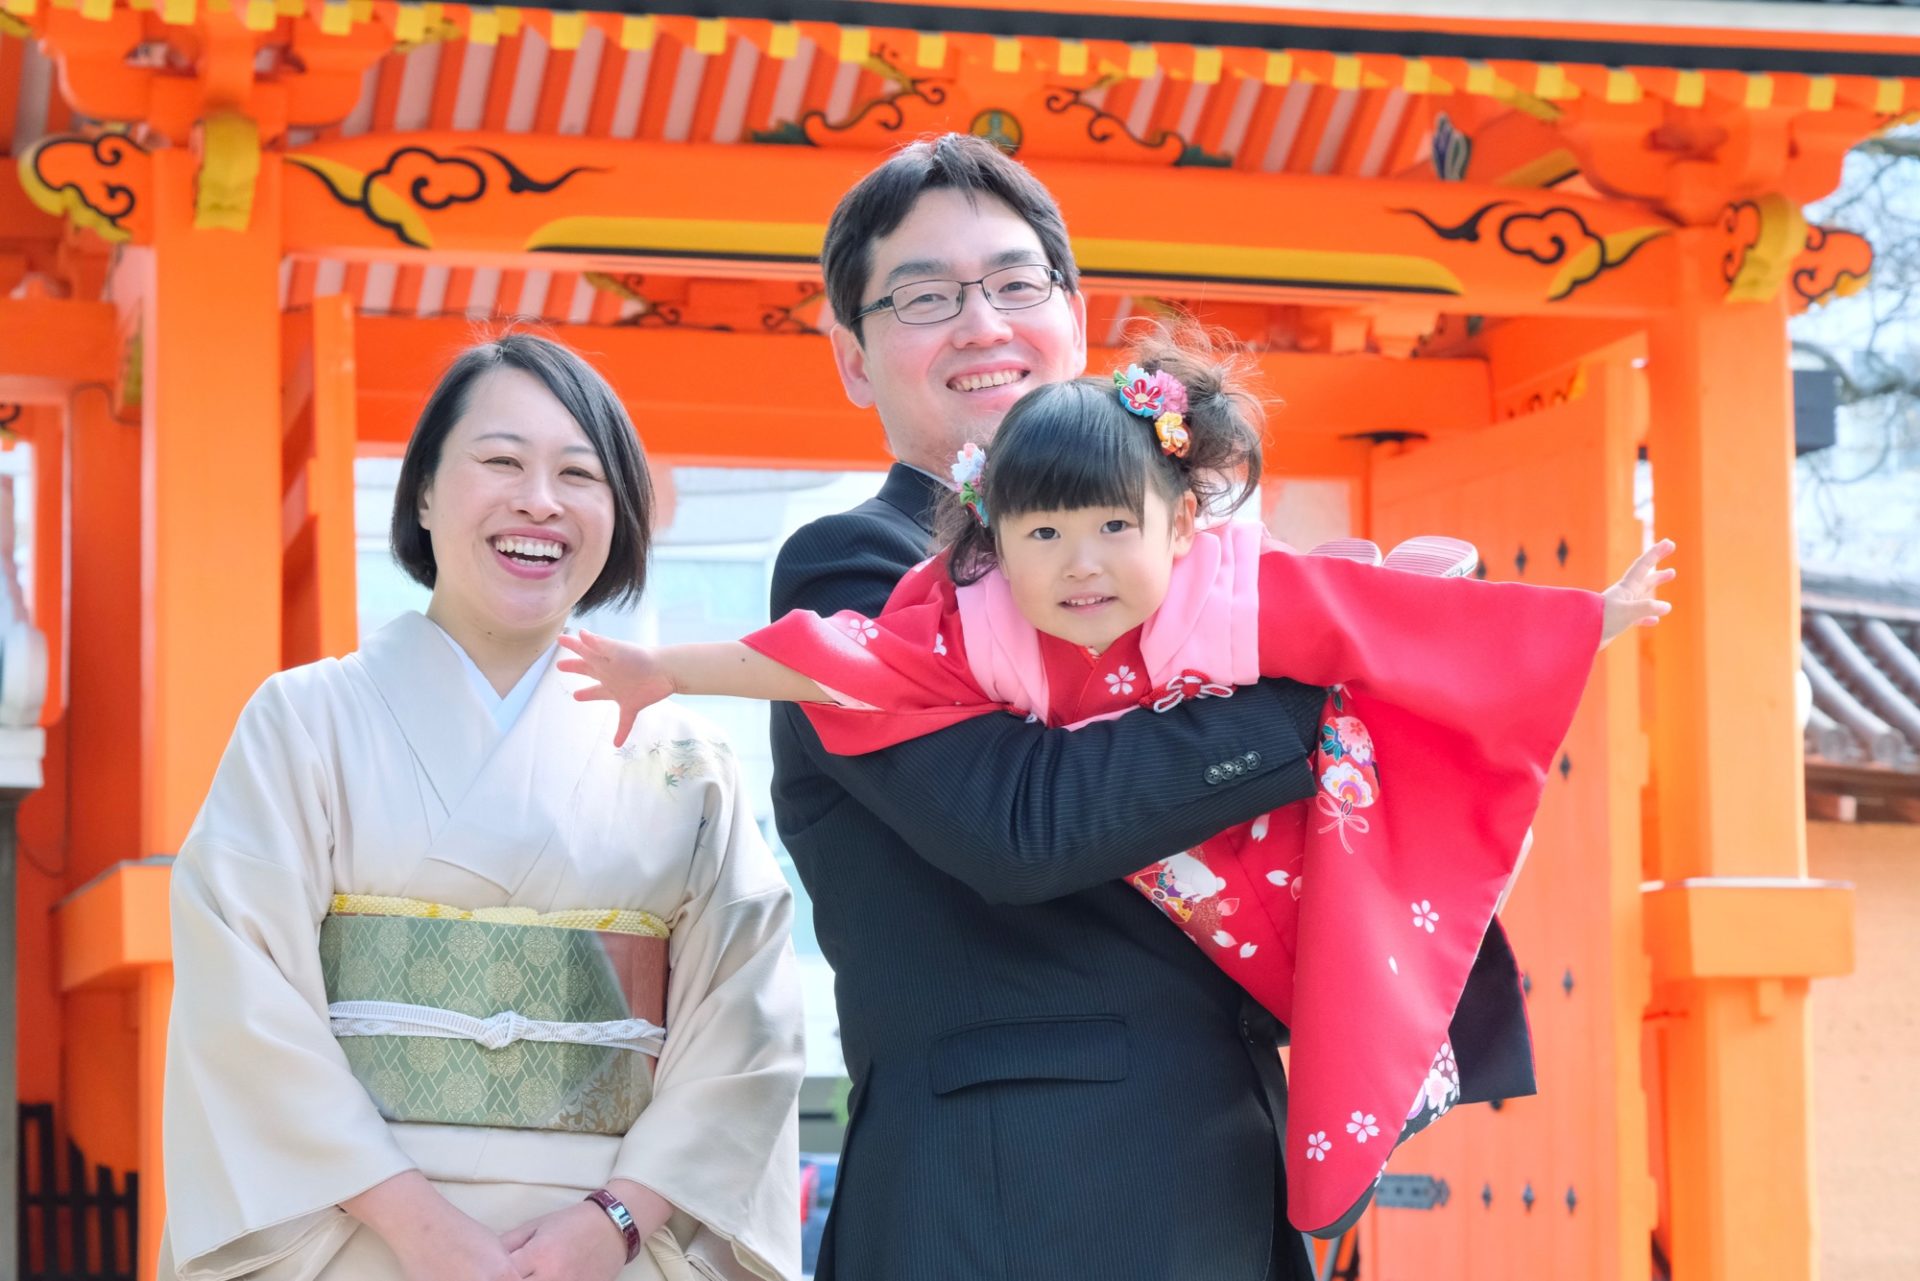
627,675
1631,602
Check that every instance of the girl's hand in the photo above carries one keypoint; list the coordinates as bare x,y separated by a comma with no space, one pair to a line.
579,1243
627,675
1631,601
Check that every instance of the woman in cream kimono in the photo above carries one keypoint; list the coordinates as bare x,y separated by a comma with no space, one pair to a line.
462,991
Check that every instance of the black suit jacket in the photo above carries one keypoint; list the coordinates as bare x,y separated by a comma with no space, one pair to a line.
1049,1079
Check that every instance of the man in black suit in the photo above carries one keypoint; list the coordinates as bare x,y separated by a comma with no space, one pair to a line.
1049,1080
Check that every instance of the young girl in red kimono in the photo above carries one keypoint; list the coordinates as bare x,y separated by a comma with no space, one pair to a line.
1079,583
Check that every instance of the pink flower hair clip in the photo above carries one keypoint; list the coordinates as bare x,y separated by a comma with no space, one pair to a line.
1160,398
966,469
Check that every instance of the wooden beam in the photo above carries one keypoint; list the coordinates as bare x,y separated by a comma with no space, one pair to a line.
518,201
773,400
51,344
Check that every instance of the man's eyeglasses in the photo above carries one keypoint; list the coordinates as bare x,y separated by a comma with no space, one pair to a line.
928,302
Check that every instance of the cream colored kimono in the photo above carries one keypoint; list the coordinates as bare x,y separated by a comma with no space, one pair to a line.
382,774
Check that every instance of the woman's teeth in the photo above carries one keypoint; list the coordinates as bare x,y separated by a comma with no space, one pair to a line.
979,382
528,548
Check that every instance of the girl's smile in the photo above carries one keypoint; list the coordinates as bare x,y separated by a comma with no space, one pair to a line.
1090,575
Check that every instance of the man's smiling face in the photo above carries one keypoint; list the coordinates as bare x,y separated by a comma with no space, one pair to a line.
938,386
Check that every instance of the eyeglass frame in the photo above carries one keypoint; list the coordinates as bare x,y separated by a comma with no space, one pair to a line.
1055,280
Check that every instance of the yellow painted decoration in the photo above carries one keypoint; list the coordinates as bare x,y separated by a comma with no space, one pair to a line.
799,241
710,36
1538,172
567,30
1480,79
1759,92
229,168
1279,69
352,186
1250,264
18,28
1891,98
854,44
1206,66
637,33
362,11
1142,62
1766,262
260,15
1073,58
1346,72
290,8
21,8
1623,86
64,202
1006,56
1418,77
510,21
483,27
178,13
1591,260
1689,89
336,19
1820,93
96,10
409,24
783,42
930,52
1550,81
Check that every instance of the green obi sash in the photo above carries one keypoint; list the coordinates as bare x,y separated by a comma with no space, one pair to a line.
532,987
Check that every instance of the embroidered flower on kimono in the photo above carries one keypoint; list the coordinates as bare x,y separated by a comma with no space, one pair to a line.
1318,1146
939,644
1444,1062
1150,394
1120,682
1345,736
1278,877
1362,1127
862,629
1348,784
1424,916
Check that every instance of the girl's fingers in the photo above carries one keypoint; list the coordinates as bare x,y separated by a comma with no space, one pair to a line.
594,694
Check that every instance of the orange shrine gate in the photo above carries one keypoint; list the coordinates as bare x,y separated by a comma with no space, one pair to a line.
1487,265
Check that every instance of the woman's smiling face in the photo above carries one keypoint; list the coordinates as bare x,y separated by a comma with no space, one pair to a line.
518,510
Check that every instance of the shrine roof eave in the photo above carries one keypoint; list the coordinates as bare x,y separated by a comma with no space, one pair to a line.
1890,48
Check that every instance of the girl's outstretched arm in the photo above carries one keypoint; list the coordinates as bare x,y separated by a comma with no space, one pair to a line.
636,677
1631,602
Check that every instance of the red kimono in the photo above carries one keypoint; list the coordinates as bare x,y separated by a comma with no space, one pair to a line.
1354,916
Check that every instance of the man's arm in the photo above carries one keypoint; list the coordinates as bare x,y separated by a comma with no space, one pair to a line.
1024,814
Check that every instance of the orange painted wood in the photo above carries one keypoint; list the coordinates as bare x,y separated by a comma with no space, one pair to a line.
1727,782
762,211
1747,931
115,926
792,412
320,609
52,343
211,467
1563,473
49,604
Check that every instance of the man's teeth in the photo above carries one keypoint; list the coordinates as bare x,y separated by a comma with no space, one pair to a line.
999,378
538,548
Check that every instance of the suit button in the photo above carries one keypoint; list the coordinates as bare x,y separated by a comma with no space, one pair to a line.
1253,760
1246,1029
1213,774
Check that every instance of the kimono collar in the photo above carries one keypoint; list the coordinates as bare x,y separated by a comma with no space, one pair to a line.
911,492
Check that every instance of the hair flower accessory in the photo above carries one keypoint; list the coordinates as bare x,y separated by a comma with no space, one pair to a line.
1175,439
1150,394
966,469
1161,397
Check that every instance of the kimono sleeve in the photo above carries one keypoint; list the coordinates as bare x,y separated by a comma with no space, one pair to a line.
893,677
267,1130
720,1138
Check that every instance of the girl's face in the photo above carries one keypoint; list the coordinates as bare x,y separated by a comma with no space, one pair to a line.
1091,575
519,511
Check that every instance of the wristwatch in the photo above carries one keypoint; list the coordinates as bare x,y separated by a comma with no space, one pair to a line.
617,1211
